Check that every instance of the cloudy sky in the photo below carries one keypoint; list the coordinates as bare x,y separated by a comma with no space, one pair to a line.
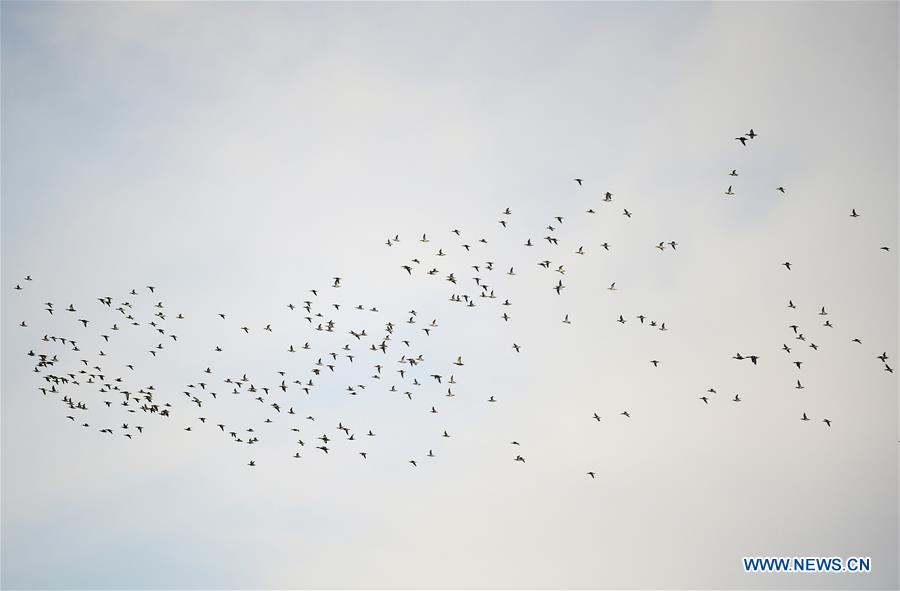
237,155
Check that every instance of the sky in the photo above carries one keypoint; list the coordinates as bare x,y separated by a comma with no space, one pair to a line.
235,156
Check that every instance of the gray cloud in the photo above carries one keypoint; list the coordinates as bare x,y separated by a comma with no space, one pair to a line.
238,155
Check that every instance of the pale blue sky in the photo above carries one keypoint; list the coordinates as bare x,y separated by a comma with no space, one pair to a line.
236,155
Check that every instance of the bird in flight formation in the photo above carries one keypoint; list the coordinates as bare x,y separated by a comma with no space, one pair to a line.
323,340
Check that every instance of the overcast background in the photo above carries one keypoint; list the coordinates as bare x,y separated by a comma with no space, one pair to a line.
236,155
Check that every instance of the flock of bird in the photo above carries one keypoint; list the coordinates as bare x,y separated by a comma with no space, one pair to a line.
70,366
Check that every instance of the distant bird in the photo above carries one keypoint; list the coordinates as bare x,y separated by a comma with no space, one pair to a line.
591,474
779,189
853,213
579,181
787,264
